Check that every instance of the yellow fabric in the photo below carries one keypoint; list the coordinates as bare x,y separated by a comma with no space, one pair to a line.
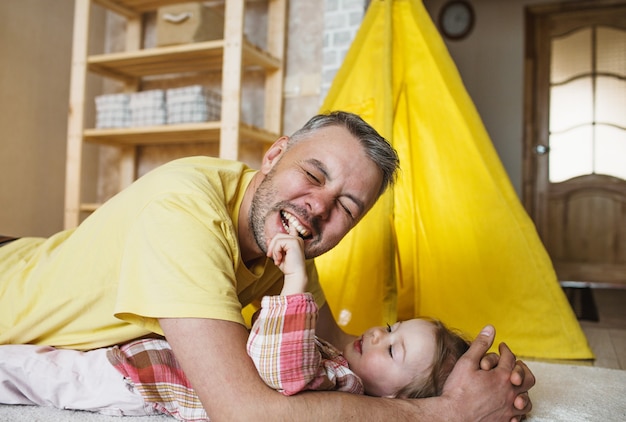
467,251
369,294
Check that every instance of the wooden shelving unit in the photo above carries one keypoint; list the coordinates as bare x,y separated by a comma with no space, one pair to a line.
231,56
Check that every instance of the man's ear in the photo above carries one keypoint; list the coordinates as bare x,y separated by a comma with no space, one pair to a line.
273,154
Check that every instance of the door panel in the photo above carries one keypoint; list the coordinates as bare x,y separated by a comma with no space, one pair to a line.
575,137
586,234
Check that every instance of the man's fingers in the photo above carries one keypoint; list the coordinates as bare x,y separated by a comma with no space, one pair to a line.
489,361
524,379
507,358
522,403
480,345
517,376
522,376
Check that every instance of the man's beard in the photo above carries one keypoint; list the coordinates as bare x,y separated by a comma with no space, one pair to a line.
261,207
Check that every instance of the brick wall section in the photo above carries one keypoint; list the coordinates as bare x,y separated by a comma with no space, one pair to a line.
342,19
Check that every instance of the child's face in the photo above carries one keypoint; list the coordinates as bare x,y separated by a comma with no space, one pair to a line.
387,359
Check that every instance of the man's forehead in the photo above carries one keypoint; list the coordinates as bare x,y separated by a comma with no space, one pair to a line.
332,154
337,139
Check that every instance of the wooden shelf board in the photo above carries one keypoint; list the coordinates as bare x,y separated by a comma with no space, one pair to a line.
203,56
131,8
155,135
89,207
172,134
254,55
255,134
196,57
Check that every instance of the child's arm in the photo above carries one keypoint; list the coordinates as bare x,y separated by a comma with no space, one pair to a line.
287,251
285,327
282,342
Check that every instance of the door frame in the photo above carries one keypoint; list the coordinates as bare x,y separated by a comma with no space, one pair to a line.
540,25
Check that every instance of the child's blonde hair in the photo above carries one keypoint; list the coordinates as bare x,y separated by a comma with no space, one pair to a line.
450,345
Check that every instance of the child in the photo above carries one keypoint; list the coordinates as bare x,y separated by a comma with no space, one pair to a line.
409,359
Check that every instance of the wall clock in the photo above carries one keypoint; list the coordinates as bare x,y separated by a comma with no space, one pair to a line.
456,19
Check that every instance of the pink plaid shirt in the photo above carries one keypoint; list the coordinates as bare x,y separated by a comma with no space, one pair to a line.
282,344
288,355
149,365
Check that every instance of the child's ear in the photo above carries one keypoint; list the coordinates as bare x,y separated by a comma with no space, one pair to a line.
273,154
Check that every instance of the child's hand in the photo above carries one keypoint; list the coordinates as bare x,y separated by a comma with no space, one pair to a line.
287,251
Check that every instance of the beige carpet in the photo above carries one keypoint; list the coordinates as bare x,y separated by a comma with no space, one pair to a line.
565,393
577,393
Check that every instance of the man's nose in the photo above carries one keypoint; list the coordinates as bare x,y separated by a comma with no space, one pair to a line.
320,205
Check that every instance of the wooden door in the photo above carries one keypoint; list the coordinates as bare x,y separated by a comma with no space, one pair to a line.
575,137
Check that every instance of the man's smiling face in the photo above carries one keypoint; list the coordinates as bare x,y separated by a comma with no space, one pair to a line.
323,185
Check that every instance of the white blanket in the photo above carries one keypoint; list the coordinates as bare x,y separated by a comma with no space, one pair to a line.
567,393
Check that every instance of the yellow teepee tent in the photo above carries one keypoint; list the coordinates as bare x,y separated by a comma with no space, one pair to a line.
451,240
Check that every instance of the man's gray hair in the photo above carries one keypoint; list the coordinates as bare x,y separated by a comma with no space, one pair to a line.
377,148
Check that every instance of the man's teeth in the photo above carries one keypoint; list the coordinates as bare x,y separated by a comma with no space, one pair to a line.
293,222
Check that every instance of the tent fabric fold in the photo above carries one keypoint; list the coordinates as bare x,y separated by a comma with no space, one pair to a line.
451,240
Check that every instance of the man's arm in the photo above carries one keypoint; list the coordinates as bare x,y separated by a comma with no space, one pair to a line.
213,356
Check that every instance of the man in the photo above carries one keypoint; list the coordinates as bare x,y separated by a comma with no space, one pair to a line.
184,248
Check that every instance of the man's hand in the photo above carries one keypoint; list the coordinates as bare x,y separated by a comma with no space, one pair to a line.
488,386
521,376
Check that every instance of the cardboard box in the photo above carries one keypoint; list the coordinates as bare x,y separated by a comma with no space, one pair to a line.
187,23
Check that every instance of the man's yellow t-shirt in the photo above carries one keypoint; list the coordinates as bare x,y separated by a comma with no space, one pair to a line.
165,247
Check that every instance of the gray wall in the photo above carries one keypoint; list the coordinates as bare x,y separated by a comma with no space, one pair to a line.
35,44
491,63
